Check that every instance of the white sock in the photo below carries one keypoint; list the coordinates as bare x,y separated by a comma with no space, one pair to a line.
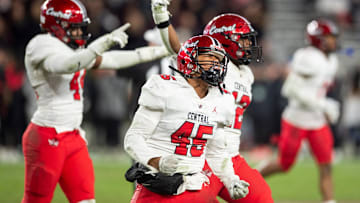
92,201
330,201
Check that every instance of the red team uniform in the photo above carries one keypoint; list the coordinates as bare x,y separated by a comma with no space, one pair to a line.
309,110
54,145
305,116
230,30
238,81
173,120
182,124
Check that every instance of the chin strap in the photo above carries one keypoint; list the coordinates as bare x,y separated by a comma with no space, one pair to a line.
189,76
181,73
221,88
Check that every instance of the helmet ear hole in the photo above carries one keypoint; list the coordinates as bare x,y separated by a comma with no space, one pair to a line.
64,24
183,61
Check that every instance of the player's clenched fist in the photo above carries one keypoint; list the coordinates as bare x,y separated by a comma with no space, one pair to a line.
169,164
159,11
237,188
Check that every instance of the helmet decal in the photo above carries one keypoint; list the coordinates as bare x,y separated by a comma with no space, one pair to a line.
214,29
58,14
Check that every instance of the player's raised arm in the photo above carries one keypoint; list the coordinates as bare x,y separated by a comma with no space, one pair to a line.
161,18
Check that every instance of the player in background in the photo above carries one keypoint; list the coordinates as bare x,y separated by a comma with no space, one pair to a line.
54,144
180,119
238,38
309,111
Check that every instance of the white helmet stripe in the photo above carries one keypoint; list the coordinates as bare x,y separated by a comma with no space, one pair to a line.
82,7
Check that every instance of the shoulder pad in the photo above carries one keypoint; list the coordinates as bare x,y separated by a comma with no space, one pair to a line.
306,60
42,46
153,93
248,73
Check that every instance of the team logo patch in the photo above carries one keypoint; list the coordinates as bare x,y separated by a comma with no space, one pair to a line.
53,142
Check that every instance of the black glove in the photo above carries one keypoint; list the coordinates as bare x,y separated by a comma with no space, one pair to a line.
155,182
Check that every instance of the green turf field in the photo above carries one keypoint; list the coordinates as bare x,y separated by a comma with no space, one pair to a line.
299,185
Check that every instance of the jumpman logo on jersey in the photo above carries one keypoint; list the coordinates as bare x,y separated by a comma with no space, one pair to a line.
214,110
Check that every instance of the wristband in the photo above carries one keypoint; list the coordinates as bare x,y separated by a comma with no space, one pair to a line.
163,24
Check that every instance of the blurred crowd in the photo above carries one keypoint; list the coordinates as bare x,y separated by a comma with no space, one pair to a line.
111,96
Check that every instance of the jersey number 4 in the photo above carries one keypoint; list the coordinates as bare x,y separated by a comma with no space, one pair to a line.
76,84
193,145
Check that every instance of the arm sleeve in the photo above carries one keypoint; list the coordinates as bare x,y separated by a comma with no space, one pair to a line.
124,59
295,87
69,62
56,56
164,33
303,68
145,121
218,157
142,127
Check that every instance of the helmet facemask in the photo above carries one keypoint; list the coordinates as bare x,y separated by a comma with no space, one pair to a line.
247,49
214,75
76,41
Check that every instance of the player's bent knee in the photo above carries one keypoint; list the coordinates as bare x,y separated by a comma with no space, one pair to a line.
87,201
286,165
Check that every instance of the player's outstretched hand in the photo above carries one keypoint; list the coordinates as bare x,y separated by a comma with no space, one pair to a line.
169,164
159,11
237,188
105,42
119,35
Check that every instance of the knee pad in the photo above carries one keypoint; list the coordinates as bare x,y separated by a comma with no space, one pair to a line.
41,182
286,165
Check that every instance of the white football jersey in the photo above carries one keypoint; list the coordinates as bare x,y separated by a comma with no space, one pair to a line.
59,96
187,122
238,81
321,70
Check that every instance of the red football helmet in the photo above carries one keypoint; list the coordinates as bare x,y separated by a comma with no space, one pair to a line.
188,64
58,17
317,29
230,29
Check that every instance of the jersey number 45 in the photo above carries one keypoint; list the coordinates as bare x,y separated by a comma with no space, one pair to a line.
193,146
